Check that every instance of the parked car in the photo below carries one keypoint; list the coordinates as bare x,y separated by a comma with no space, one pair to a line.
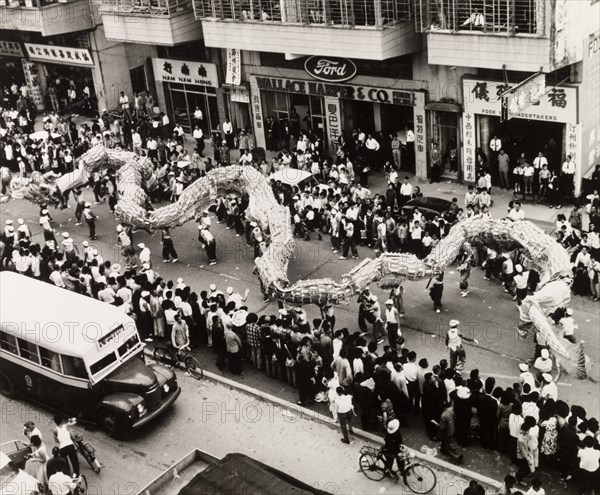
428,206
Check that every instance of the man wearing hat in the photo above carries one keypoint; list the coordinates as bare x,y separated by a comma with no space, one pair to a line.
127,250
543,364
8,228
23,227
90,219
393,444
69,248
205,220
454,338
168,249
46,225
144,255
568,325
549,388
526,376
521,280
236,298
207,241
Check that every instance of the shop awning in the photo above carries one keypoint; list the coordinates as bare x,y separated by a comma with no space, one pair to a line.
442,106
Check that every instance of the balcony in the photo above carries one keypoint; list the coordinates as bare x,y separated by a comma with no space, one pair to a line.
369,29
45,17
485,33
157,22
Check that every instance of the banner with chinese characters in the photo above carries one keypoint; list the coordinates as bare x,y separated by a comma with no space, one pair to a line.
239,94
11,49
257,116
179,71
420,131
558,104
32,80
63,55
469,146
333,118
573,148
233,75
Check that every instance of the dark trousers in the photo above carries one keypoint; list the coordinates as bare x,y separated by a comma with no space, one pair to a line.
345,424
92,226
69,453
349,245
414,395
235,362
211,251
392,332
168,250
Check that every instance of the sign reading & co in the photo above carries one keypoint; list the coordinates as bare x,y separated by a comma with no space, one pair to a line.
363,93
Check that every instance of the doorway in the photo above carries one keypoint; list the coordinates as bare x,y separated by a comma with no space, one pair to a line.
444,132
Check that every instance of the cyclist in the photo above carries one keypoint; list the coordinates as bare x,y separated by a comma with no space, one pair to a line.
392,448
60,483
180,334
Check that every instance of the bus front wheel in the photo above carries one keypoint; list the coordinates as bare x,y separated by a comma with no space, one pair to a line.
7,387
109,422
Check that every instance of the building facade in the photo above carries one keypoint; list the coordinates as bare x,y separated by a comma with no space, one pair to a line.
443,69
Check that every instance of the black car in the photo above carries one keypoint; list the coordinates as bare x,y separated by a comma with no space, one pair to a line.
428,206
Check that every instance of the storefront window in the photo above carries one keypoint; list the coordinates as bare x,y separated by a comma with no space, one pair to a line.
182,100
303,113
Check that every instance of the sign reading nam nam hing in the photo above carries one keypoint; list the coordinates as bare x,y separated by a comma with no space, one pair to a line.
330,69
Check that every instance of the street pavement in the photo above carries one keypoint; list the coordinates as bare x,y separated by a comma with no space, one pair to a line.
221,420
487,314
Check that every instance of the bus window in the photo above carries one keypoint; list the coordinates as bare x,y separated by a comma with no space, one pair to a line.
51,360
127,346
73,366
29,351
103,363
9,343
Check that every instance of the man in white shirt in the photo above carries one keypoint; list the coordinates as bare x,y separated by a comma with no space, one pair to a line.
236,298
198,135
144,255
345,410
136,141
406,191
567,176
516,213
60,483
549,389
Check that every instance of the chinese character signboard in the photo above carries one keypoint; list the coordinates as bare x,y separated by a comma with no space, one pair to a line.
10,49
469,147
239,94
178,71
63,55
233,74
256,108
334,122
30,71
554,104
529,93
420,139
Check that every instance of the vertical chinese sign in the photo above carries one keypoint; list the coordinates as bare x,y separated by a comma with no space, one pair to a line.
32,79
233,74
573,148
333,118
468,123
420,140
257,116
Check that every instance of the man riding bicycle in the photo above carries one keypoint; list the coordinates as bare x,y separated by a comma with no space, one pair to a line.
180,335
392,447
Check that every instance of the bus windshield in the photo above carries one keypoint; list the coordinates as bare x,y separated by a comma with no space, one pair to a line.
105,362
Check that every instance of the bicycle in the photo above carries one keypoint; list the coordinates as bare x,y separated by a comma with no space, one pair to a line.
86,451
166,354
81,485
418,477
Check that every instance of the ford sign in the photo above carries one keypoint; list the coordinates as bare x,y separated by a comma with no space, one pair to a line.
330,69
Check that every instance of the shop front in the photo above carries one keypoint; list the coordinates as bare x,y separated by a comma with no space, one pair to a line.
444,130
11,70
331,109
52,71
550,125
187,86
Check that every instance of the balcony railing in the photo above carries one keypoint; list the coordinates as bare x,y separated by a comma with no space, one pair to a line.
146,7
335,13
509,17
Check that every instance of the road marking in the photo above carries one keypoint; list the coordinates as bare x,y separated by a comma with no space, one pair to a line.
229,276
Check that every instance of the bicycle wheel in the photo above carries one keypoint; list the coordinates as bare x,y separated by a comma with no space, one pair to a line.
192,365
162,354
372,467
419,478
82,486
87,455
